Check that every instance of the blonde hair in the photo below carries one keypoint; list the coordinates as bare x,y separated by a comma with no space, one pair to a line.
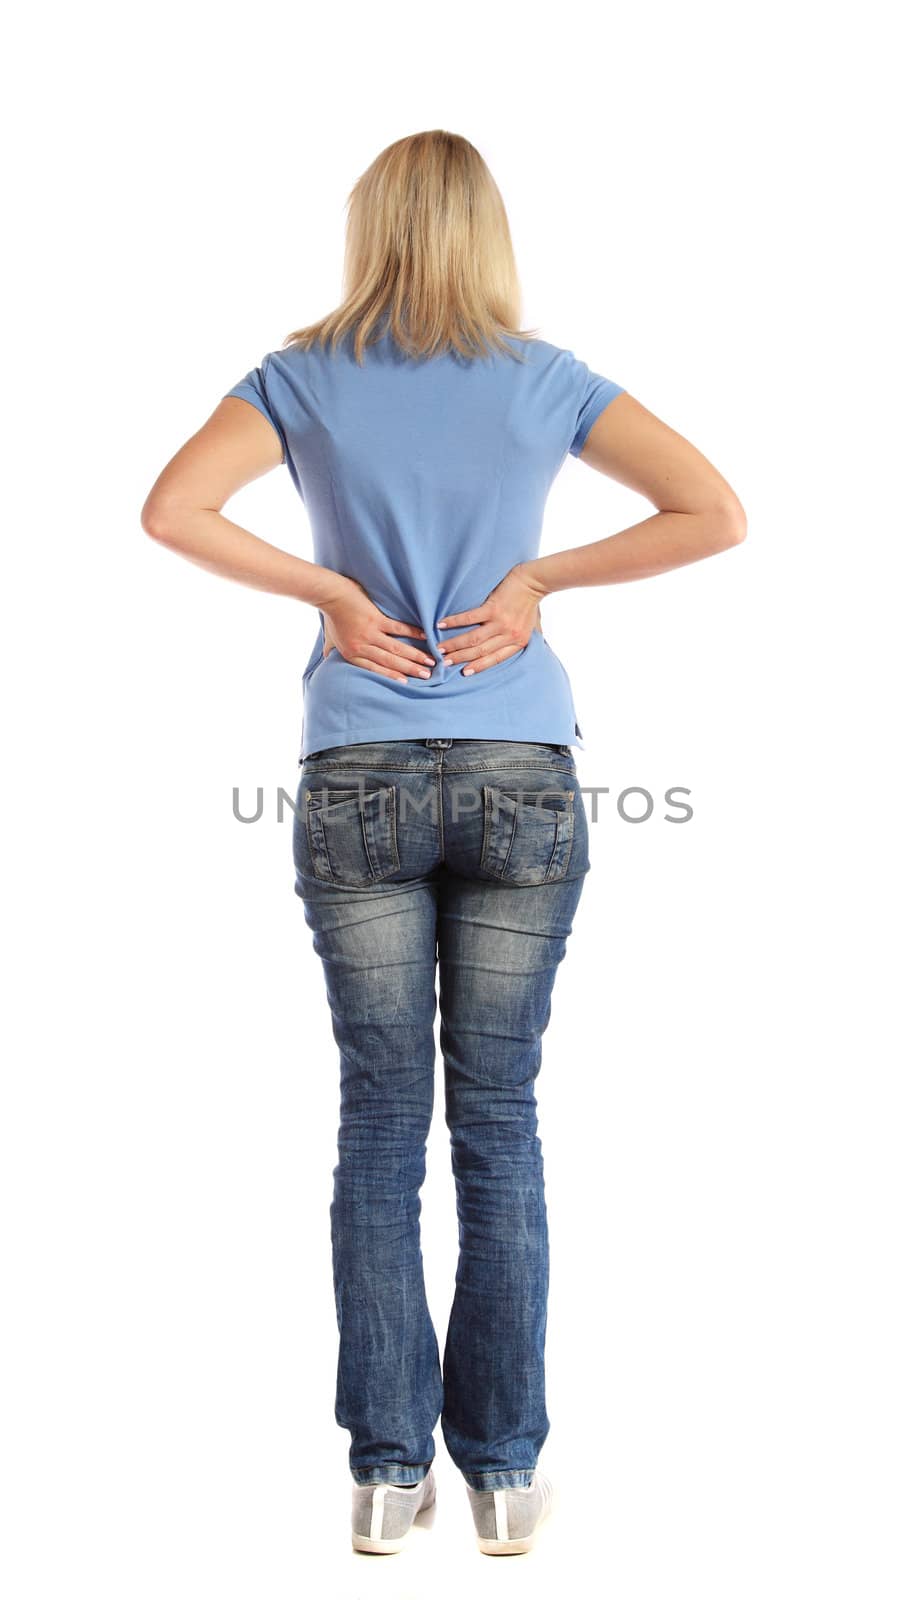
428,255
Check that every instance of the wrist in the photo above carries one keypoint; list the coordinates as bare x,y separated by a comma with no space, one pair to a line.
323,587
533,576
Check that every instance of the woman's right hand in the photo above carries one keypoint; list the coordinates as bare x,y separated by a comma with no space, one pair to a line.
362,634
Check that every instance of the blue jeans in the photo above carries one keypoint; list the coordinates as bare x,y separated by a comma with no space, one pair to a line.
467,857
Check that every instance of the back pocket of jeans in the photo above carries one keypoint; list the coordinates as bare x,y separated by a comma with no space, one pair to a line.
526,834
352,834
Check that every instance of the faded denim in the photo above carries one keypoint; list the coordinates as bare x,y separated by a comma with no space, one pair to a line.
464,858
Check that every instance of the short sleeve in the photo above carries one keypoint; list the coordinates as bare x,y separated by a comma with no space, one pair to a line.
254,388
590,394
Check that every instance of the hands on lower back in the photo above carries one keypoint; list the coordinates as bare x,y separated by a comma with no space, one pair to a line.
363,635
502,625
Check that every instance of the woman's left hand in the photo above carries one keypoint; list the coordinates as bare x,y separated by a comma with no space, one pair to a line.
505,622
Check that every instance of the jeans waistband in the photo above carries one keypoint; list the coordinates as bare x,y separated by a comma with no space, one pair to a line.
397,752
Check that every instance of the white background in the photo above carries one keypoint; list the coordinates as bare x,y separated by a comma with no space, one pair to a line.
709,205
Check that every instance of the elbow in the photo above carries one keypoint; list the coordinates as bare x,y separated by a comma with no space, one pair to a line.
157,519
728,525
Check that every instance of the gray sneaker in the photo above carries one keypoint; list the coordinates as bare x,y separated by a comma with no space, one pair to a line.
382,1514
506,1519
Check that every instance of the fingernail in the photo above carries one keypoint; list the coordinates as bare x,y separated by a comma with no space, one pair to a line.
431,659
423,673
467,671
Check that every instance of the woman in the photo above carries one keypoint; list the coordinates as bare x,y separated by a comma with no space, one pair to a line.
439,827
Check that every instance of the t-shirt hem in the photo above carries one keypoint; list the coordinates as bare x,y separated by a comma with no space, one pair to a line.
258,404
605,394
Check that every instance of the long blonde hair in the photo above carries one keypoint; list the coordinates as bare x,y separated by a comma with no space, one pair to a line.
428,255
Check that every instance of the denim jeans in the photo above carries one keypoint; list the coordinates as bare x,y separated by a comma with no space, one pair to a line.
464,858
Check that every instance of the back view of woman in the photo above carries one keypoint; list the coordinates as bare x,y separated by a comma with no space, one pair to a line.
440,832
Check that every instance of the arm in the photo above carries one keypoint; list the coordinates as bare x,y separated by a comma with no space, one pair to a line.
184,507
184,511
698,513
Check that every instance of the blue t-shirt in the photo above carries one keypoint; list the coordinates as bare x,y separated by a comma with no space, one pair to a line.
425,480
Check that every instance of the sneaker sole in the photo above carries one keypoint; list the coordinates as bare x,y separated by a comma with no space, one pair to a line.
379,1547
506,1547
